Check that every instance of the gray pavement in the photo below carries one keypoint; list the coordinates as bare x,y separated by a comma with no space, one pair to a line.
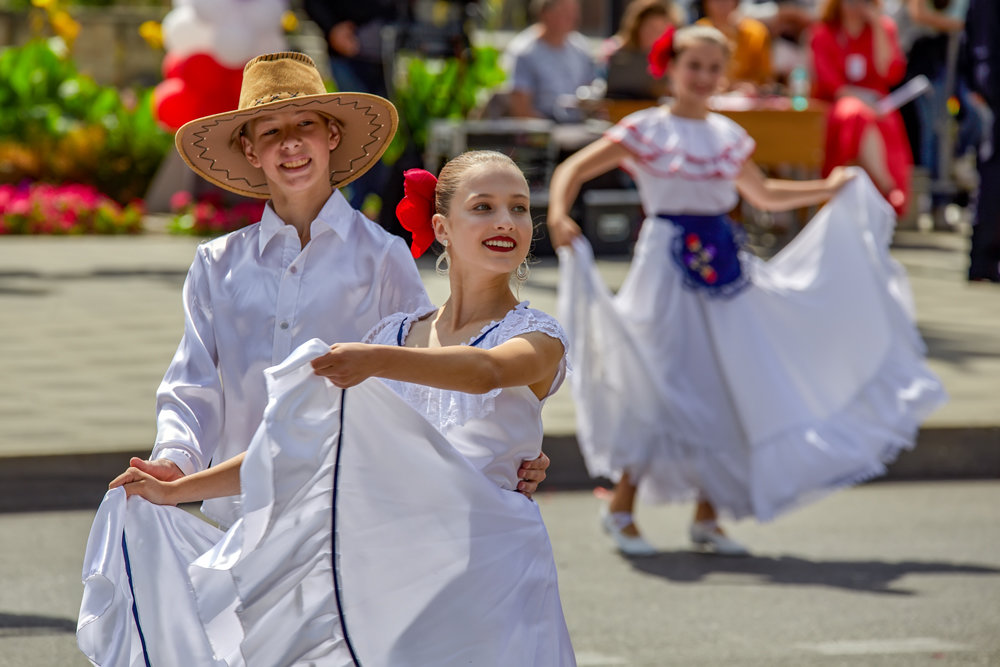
884,575
88,325
887,574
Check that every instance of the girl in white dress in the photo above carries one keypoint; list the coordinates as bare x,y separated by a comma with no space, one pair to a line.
402,492
744,385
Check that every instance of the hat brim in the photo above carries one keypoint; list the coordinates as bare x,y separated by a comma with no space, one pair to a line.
211,148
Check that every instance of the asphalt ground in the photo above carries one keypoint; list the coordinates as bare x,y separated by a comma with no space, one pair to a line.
893,574
89,324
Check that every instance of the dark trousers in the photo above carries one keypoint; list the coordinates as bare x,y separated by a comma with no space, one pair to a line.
984,255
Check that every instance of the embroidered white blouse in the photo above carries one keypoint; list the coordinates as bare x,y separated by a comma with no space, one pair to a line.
683,165
253,296
497,430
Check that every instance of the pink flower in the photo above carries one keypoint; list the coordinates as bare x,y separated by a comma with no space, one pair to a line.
180,200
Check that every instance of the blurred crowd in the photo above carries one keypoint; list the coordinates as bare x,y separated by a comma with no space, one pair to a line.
844,56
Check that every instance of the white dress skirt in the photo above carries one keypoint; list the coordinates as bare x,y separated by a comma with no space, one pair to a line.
809,377
366,538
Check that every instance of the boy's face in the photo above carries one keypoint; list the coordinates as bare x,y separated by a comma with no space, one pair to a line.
292,148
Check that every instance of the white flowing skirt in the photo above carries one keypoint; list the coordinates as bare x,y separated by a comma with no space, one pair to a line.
365,539
811,378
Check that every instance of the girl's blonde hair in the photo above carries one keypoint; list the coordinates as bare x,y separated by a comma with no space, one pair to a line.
452,173
693,34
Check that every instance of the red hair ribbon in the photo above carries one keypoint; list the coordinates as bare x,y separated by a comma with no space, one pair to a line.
659,55
416,208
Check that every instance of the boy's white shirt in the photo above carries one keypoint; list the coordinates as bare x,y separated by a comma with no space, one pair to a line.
253,296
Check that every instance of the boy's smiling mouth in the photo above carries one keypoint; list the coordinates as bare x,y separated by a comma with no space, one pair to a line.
295,164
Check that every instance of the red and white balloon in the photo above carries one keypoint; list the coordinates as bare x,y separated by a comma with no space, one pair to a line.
208,42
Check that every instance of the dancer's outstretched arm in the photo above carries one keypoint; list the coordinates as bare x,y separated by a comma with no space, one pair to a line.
530,360
775,194
589,162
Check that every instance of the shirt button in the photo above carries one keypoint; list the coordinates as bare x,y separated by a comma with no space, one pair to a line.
284,325
294,269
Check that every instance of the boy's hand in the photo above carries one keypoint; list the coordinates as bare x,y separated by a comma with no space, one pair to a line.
164,470
345,365
139,483
532,473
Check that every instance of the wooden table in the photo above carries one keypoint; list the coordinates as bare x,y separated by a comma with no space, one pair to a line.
784,137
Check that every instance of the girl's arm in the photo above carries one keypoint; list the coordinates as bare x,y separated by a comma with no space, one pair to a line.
529,360
217,481
773,194
886,54
589,162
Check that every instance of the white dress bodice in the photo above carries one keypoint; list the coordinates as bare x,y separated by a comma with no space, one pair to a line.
683,165
497,430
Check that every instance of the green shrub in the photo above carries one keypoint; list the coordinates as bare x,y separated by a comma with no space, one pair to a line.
59,126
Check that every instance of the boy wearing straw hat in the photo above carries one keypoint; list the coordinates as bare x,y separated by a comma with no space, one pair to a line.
313,267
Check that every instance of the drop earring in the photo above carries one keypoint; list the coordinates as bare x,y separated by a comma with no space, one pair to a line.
443,259
522,271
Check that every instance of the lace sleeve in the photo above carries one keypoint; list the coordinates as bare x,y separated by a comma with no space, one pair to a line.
384,333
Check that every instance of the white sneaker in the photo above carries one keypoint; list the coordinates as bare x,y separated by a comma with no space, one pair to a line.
706,536
613,523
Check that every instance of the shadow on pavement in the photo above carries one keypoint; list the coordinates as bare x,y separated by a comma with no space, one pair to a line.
19,625
869,576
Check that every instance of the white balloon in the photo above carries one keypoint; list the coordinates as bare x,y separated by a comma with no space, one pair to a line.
263,15
184,33
271,43
214,11
234,45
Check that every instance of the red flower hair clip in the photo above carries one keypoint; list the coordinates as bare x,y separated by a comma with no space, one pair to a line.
662,51
416,209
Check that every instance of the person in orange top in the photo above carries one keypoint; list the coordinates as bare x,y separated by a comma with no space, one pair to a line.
856,60
750,42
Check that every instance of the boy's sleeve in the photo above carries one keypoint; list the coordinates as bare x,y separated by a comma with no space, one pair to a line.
402,288
189,401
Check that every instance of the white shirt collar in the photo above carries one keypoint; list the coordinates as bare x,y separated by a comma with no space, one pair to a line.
337,215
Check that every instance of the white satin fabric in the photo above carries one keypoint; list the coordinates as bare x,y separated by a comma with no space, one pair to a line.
435,564
496,430
811,378
253,296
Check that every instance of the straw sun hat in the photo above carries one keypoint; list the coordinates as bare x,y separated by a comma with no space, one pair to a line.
280,82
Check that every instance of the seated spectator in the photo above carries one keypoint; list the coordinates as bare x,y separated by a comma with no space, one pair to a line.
625,55
750,63
856,58
547,62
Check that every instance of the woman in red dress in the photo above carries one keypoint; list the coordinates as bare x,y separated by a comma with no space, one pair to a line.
856,57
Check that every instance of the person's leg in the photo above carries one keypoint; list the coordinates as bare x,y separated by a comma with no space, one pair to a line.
708,536
984,253
623,501
872,158
617,521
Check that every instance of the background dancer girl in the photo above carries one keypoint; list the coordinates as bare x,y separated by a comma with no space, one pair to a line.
713,376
